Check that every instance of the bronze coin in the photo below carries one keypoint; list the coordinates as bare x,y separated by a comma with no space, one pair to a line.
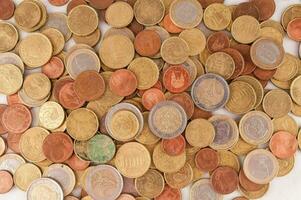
283,144
2,127
58,147
7,8
135,27
184,100
123,82
246,8
58,2
6,182
54,68
247,184
100,4
13,141
147,43
238,60
263,74
57,86
68,97
169,194
266,8
76,163
199,113
293,29
224,180
218,41
244,49
207,159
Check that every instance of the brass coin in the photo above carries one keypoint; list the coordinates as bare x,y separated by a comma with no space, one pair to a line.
26,100
282,84
175,50
254,194
51,115
146,72
119,31
37,86
186,14
11,79
242,97
56,38
203,188
181,178
31,143
288,69
135,165
149,12
151,184
272,33
275,24
285,166
220,63
80,25
290,13
228,159
198,138
296,109
286,123
123,49
12,58
217,16
242,147
277,103
256,127
190,153
25,175
9,36
166,163
90,40
82,124
195,39
146,136
27,14
295,90
119,14
245,29
33,45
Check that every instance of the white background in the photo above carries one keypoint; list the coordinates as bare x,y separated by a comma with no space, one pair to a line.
284,188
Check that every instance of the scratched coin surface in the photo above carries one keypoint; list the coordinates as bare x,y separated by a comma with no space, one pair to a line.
45,188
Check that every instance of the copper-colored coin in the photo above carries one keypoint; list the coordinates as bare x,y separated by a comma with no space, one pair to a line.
184,100
2,127
199,113
206,3
7,8
125,197
293,29
247,184
58,2
16,118
169,194
170,26
206,159
238,60
245,52
129,186
246,8
147,43
283,144
263,74
68,97
151,97
58,147
76,163
89,85
100,4
73,3
176,79
6,182
57,86
54,68
266,8
224,180
123,82
218,41
13,141
175,146
11,99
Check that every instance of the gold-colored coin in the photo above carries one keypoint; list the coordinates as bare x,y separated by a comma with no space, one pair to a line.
285,85
82,124
11,79
197,138
245,29
286,123
146,72
220,63
146,136
135,165
9,36
149,12
290,13
254,194
27,14
242,147
229,159
181,178
190,157
90,40
37,86
3,146
87,198
26,100
286,166
151,148
256,85
272,33
82,20
175,50
166,163
217,16
296,109
124,125
195,39
242,97
199,66
204,55
123,49
151,184
277,103
272,23
119,14
25,175
288,69
142,198
295,90
51,115
33,45
120,31
56,38
31,143
43,17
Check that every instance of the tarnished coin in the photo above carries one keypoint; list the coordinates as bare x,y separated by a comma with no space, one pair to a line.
217,16
90,40
206,160
260,166
37,190
10,162
174,146
11,79
37,86
175,50
147,43
9,36
80,149
246,8
149,12
295,90
288,69
217,41
54,68
7,8
119,14
25,175
67,96
6,182
228,159
181,178
186,14
203,188
151,184
56,38
283,145
254,194
286,123
224,180
195,39
247,184
169,194
290,13
51,115
63,175
242,147
167,119
285,166
256,127
210,92
226,132
146,136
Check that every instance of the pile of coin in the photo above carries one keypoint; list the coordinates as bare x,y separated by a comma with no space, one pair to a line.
133,112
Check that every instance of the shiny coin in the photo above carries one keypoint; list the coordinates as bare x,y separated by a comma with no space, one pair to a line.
51,115
283,145
25,175
217,16
285,166
10,162
149,12
37,190
176,79
123,82
242,147
9,36
203,188
6,181
11,79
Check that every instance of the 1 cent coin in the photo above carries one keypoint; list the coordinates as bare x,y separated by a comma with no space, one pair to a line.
147,43
6,182
176,79
207,160
224,180
123,82
169,194
7,8
283,145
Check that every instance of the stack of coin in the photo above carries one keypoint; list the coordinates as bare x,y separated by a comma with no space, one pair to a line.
133,112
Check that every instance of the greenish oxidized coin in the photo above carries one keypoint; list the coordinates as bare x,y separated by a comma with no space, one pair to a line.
101,149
